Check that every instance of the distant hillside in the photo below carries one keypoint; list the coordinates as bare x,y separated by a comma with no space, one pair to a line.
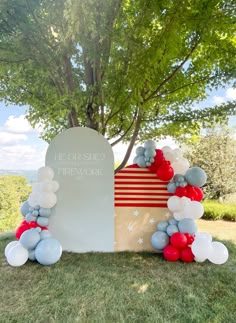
30,175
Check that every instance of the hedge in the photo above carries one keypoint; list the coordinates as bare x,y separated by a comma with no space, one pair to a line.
219,211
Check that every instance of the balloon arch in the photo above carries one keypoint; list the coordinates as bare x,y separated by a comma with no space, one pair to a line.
177,238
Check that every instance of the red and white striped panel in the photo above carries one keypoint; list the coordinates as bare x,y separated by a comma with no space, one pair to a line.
139,187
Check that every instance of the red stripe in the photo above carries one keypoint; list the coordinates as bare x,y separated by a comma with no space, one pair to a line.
141,205
137,177
138,193
138,199
139,183
147,188
134,171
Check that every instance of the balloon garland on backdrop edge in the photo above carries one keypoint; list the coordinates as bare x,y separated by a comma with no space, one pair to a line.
178,238
34,241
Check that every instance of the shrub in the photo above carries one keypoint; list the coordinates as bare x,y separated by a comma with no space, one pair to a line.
219,211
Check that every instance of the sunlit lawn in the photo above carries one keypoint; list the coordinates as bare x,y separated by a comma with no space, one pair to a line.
119,287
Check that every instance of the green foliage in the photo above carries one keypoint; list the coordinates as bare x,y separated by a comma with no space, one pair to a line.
13,192
130,69
118,287
215,152
213,210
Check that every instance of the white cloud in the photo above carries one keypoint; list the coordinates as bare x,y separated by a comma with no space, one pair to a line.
231,93
11,138
18,125
218,99
21,157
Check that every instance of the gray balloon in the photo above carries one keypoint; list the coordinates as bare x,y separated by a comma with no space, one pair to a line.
162,226
160,240
187,226
24,208
171,229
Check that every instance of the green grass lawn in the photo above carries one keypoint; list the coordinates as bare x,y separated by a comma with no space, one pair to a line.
118,287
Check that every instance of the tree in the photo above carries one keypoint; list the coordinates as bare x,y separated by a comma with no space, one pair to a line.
130,69
13,192
215,152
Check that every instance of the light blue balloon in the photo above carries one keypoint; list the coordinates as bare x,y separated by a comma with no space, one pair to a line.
173,221
29,217
140,151
24,208
183,184
150,144
196,176
48,251
160,240
30,238
135,159
35,213
150,153
187,226
179,178
32,255
171,187
44,212
141,162
162,226
171,229
44,234
42,221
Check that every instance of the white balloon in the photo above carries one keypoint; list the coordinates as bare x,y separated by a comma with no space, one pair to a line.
180,166
200,259
45,173
46,186
177,152
33,199
174,204
201,248
56,186
194,210
166,148
36,188
47,200
219,253
10,246
185,201
169,155
204,236
17,256
178,215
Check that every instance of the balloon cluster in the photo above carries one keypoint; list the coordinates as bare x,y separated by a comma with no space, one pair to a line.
178,238
34,239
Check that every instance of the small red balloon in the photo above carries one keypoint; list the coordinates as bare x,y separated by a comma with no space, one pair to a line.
159,158
165,173
179,240
199,194
33,224
186,254
181,191
171,253
189,237
153,168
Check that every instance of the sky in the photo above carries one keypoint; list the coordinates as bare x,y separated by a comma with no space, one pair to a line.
22,149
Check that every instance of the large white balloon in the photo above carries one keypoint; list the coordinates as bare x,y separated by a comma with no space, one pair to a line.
193,210
201,248
199,259
174,204
45,173
169,155
204,236
9,246
17,256
219,253
36,188
33,199
166,148
180,166
55,186
47,200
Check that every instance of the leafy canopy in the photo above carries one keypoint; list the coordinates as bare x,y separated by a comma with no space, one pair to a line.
130,69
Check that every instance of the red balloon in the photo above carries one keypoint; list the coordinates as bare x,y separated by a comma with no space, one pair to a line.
181,191
165,173
153,168
199,194
22,228
171,253
33,224
186,254
179,240
190,238
159,158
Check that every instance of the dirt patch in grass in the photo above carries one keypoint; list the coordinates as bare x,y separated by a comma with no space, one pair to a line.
224,230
